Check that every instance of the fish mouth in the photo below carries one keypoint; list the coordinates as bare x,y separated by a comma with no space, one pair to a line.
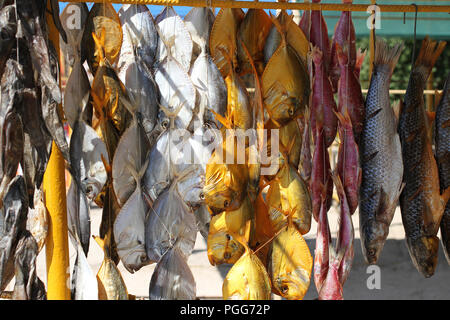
135,260
424,254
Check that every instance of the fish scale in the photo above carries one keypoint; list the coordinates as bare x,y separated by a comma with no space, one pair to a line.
442,144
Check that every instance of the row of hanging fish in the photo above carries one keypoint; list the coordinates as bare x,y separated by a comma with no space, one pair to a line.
258,218
30,123
123,130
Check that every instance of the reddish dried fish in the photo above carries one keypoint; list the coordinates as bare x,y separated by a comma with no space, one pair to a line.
323,95
344,35
348,161
350,94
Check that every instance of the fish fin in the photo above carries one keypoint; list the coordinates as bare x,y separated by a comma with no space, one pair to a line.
343,117
428,55
342,57
446,195
100,241
431,116
100,44
281,28
397,107
106,164
384,55
316,55
360,56
223,120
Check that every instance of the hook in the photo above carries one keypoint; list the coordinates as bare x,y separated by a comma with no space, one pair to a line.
414,41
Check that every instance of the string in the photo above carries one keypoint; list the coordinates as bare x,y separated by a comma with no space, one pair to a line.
414,41
18,26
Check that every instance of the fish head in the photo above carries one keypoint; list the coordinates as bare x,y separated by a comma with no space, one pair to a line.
424,254
223,248
293,285
374,235
135,260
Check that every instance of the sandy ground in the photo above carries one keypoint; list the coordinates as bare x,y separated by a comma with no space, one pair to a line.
398,277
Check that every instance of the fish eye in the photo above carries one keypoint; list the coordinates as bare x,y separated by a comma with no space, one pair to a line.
228,237
202,196
143,258
237,69
371,252
226,203
284,289
291,111
165,124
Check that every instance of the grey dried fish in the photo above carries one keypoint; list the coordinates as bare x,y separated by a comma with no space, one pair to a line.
11,149
28,286
37,221
78,217
31,23
50,109
199,22
86,150
142,92
73,19
139,35
172,278
202,219
130,160
210,86
129,231
84,281
8,29
76,93
14,211
169,223
177,93
174,39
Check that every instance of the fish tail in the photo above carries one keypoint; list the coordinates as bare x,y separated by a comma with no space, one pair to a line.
384,55
341,54
316,55
281,28
429,53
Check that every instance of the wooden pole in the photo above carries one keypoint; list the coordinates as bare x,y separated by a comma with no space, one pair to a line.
57,245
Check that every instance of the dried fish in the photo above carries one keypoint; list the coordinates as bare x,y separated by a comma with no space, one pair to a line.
86,151
38,220
8,27
199,22
84,282
73,19
177,93
174,39
102,18
140,37
28,286
11,149
110,282
172,278
169,223
14,211
130,161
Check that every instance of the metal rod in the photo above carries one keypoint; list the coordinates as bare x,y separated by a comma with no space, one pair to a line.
281,5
